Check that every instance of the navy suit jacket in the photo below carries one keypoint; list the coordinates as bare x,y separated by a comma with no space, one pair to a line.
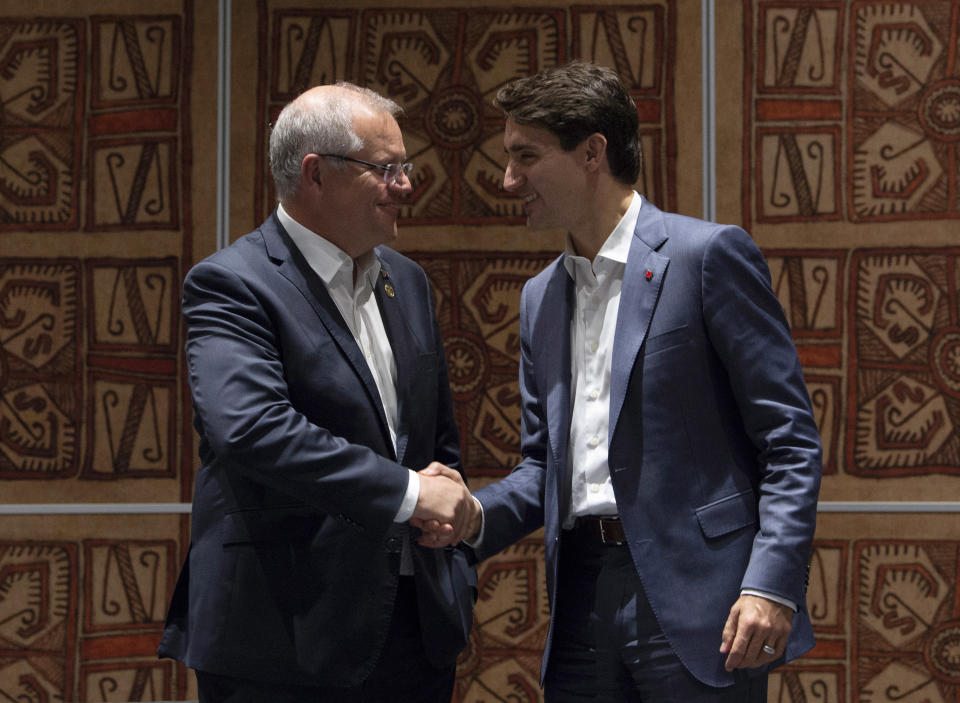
294,558
714,454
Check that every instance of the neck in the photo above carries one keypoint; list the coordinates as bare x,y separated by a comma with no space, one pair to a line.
319,225
605,214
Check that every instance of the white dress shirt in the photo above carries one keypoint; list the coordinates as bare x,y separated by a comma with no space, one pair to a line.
358,306
597,285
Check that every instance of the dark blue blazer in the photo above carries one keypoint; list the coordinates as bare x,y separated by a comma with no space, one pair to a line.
714,453
294,557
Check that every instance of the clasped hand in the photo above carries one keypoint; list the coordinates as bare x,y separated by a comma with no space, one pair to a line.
446,513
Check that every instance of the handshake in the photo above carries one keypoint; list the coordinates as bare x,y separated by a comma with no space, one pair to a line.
446,513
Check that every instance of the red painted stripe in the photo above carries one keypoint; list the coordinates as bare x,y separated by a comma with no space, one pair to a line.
799,110
648,110
160,120
826,356
132,364
120,646
828,649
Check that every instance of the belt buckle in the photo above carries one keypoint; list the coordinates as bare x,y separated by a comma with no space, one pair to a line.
603,533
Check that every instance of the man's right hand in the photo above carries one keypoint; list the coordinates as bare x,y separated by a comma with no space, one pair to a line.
446,512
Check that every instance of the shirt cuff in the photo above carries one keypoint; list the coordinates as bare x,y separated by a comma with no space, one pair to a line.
474,543
769,596
410,498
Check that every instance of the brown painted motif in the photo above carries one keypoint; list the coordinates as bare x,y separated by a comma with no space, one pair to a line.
133,149
38,630
907,621
477,299
443,66
502,659
904,379
39,366
42,67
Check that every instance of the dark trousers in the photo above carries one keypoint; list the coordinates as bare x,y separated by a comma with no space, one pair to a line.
402,673
607,646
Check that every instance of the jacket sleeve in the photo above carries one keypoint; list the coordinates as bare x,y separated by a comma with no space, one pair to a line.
245,415
514,506
749,332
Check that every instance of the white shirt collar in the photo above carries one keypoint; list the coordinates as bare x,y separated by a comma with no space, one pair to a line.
326,258
617,246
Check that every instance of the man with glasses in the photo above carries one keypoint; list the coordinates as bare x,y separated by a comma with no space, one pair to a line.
319,384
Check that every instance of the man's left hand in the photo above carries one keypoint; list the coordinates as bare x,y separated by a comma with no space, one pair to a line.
754,622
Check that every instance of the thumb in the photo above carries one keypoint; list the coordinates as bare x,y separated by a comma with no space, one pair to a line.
434,468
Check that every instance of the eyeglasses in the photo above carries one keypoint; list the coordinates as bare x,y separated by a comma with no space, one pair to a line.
392,173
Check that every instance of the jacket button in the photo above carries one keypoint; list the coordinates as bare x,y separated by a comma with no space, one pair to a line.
394,544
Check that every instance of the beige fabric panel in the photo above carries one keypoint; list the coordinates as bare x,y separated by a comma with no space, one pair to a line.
836,147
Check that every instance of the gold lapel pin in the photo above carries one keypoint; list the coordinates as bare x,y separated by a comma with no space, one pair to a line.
387,287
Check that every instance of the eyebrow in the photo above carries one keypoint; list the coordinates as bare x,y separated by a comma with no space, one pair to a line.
519,147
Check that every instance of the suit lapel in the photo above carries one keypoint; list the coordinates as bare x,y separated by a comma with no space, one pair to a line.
294,267
642,283
552,354
405,347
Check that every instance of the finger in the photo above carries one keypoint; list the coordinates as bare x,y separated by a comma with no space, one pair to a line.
435,527
729,629
740,650
434,540
735,657
755,654
425,525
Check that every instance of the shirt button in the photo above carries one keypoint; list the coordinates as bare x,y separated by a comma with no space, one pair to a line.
594,394
594,442
594,346
594,488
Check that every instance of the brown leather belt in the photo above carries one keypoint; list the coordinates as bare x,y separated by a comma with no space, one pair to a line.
606,530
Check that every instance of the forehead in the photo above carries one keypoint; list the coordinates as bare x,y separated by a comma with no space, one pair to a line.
379,132
521,136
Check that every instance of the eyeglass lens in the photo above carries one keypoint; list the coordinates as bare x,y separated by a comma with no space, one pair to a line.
394,172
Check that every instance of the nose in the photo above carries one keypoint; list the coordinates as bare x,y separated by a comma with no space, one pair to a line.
402,186
511,179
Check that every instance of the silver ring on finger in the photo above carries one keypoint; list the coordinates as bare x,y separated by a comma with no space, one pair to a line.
768,649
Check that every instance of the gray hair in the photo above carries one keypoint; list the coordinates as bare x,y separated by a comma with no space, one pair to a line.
322,124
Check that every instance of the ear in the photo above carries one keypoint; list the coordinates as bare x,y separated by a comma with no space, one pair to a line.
596,151
311,171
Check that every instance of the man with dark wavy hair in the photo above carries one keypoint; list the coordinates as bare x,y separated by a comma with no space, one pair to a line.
669,448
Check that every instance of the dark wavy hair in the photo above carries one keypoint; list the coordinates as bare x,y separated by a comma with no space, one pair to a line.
574,101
